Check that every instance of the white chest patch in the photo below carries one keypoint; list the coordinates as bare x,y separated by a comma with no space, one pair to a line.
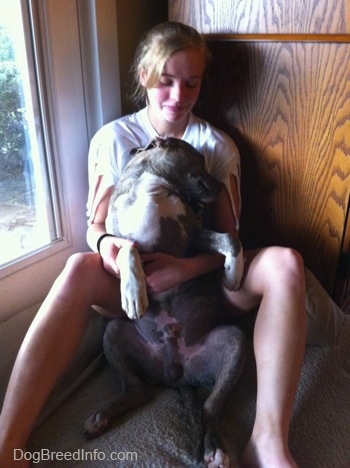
138,212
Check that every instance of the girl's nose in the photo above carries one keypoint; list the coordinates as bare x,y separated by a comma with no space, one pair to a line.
177,91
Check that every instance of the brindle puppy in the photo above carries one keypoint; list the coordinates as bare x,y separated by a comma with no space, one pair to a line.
175,338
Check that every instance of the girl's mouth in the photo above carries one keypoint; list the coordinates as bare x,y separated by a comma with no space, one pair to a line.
175,109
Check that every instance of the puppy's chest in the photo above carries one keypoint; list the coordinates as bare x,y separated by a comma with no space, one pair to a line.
143,213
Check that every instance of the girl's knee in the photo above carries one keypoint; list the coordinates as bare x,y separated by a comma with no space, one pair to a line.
284,260
288,273
273,270
281,267
80,265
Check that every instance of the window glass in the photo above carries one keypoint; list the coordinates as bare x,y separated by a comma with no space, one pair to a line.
27,222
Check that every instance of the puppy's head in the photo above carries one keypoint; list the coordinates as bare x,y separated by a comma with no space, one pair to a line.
183,167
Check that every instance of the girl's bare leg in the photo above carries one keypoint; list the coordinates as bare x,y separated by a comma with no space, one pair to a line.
59,324
276,277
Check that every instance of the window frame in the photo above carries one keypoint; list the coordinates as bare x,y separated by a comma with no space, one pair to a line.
79,77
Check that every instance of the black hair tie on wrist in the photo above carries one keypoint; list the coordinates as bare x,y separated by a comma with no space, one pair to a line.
100,240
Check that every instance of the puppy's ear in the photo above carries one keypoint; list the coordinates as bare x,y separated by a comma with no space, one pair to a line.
157,142
133,151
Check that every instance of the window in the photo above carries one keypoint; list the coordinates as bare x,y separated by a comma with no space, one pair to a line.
27,187
76,78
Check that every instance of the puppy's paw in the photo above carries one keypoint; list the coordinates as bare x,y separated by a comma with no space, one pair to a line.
133,289
217,459
233,272
95,425
134,297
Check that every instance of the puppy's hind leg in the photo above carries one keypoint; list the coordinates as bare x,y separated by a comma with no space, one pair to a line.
99,422
194,414
229,367
132,391
221,362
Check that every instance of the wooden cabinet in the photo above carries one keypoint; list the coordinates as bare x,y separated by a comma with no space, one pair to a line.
279,84
263,16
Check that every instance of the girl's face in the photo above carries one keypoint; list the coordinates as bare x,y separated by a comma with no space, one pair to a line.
172,99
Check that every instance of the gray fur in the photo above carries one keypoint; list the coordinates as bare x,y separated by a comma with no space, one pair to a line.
176,338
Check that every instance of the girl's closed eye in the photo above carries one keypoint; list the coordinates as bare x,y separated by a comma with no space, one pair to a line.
165,82
192,84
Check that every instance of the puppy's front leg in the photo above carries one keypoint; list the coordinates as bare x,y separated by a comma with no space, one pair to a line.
132,282
205,240
234,263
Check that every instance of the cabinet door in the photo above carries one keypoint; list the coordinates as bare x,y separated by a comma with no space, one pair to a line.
281,89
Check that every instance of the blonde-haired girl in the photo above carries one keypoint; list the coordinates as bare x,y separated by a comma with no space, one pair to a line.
169,67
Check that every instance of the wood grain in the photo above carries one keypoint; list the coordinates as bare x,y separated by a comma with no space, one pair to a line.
328,38
264,17
280,85
287,106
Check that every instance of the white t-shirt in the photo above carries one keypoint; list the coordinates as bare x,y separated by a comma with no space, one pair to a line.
110,152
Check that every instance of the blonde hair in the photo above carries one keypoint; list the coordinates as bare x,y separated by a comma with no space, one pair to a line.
156,47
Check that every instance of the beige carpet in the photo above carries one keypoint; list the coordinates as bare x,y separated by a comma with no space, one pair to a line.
158,434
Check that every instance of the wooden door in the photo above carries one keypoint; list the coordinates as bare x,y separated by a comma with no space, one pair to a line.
279,84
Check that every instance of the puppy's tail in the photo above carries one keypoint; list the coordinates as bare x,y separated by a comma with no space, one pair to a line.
193,411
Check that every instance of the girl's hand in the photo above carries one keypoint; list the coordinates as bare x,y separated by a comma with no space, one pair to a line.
162,271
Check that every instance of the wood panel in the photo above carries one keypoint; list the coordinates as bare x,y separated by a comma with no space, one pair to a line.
281,89
264,17
279,104
287,106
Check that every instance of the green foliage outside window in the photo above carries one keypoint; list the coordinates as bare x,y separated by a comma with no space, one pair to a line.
12,119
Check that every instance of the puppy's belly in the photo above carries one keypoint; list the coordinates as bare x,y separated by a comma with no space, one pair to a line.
165,336
166,344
